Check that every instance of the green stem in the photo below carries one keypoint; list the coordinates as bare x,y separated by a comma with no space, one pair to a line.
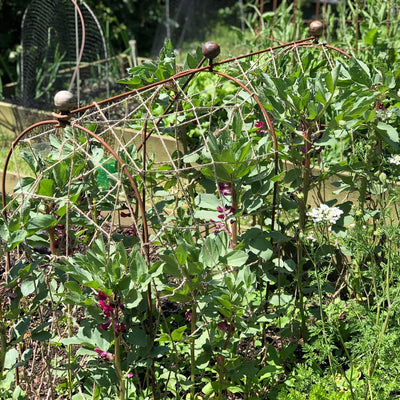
385,323
70,334
3,348
300,261
302,222
234,206
192,350
117,365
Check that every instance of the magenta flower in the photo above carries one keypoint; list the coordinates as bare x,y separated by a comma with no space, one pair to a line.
125,214
108,357
225,188
107,308
226,212
131,232
102,296
260,125
120,327
219,227
188,315
225,327
129,375
106,325
111,311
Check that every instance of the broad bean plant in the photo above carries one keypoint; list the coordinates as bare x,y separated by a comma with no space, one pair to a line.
271,265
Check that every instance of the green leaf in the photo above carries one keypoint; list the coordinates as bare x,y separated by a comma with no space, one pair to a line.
27,287
331,79
312,110
288,265
40,222
139,268
41,335
360,73
24,184
171,265
320,96
236,258
26,355
191,61
182,254
177,334
21,327
258,243
210,388
88,336
214,247
73,286
235,389
237,124
137,337
269,371
46,188
280,300
207,200
370,36
15,238
92,284
10,358
206,215
388,134
191,158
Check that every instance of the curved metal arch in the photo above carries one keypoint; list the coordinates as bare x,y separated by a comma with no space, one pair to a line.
189,72
57,124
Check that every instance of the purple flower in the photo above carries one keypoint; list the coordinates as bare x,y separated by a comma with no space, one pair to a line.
102,296
260,125
226,212
108,357
130,231
125,214
225,327
188,315
120,327
219,227
106,325
225,188
107,309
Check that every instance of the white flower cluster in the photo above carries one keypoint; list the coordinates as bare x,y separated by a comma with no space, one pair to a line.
325,214
395,159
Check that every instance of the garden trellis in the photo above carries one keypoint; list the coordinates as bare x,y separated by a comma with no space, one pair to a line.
117,130
96,186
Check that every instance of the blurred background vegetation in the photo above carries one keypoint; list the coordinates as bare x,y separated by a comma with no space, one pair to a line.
144,21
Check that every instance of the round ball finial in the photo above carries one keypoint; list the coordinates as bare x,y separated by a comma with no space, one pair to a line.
64,100
210,50
316,28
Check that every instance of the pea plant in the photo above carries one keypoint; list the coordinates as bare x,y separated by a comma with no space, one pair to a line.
252,254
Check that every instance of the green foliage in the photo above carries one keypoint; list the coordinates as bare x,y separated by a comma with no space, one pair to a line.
247,289
150,72
317,392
